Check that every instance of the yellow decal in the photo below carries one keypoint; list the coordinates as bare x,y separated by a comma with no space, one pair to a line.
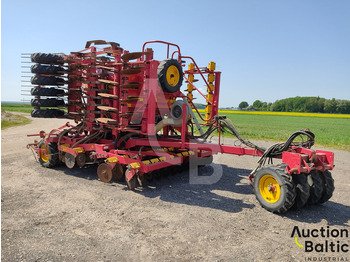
112,159
79,150
135,165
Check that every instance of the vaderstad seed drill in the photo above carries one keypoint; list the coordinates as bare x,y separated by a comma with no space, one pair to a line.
133,121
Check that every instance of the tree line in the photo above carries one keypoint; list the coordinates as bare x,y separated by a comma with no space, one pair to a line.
301,104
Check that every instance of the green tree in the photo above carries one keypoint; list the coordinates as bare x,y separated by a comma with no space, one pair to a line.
243,104
264,106
343,107
258,104
330,106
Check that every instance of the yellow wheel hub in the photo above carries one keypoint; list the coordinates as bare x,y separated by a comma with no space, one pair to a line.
44,155
172,75
269,188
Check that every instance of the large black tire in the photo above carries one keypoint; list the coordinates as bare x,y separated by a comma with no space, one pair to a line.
44,91
302,188
328,186
50,158
282,197
48,102
316,187
43,58
170,75
47,69
47,113
47,80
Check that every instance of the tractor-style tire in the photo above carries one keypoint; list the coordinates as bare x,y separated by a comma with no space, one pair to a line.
46,58
316,188
44,91
170,75
274,188
302,188
48,102
47,80
47,113
47,69
328,186
50,158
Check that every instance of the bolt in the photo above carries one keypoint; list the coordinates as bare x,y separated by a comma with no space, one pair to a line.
271,187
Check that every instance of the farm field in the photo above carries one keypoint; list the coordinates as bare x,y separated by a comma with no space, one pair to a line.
16,107
332,132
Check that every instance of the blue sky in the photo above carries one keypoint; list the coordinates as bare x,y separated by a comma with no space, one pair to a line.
266,50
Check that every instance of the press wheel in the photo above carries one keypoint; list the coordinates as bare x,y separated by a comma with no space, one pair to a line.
274,188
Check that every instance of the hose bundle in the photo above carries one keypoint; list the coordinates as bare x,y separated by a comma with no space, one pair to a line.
275,150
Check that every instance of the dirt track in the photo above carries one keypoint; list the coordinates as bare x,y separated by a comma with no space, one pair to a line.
69,215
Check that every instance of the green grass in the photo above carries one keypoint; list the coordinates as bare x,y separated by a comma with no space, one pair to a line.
329,132
16,107
10,120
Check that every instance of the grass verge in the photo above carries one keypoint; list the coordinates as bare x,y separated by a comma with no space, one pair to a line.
10,120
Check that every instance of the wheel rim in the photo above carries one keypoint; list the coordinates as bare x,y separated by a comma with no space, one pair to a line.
45,156
172,75
269,188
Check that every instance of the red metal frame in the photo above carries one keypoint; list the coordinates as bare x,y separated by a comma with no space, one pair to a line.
146,152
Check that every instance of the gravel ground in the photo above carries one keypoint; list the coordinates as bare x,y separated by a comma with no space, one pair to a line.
66,214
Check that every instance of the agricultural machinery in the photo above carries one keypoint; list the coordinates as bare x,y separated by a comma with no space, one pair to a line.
131,118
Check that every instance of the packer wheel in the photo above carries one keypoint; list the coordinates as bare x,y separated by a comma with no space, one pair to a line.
316,187
48,102
47,69
49,158
46,58
274,188
47,113
43,91
47,80
302,189
328,186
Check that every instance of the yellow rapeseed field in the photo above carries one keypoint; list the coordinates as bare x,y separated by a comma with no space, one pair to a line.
281,113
